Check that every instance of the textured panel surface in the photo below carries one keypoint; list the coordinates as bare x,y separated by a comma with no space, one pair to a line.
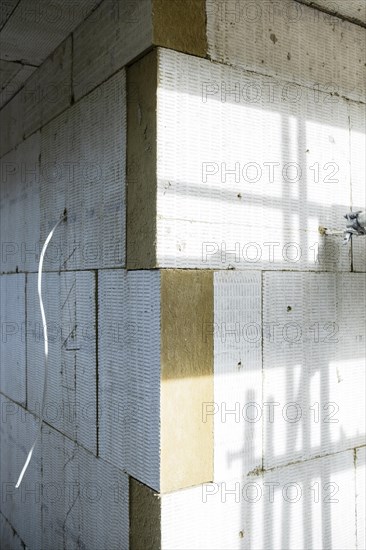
48,91
310,505
110,38
354,10
83,170
292,41
21,507
12,78
143,338
19,207
71,406
8,537
12,351
360,497
238,374
11,125
34,30
358,171
129,372
256,200
314,347
85,503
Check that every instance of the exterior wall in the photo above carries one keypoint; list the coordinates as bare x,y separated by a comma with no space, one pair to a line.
205,384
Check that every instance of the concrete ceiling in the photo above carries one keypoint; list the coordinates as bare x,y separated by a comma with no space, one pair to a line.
30,30
353,10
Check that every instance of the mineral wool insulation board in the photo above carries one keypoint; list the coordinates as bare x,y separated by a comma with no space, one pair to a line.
71,404
19,207
307,505
253,174
314,364
292,42
12,346
83,170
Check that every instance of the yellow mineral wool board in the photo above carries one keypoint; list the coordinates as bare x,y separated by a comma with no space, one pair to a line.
187,308
141,162
180,25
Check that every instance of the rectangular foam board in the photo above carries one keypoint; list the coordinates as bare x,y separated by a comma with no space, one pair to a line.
155,372
311,503
237,402
16,75
11,125
358,170
109,38
9,539
21,507
71,398
85,500
360,496
209,217
292,41
129,372
12,350
20,207
354,10
34,31
83,170
313,364
48,92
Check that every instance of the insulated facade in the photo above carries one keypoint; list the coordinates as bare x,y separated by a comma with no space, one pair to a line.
207,342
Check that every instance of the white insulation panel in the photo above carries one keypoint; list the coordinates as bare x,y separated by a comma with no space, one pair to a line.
358,171
71,399
48,91
309,505
314,365
12,78
83,158
11,125
361,496
45,94
85,503
292,41
20,207
21,507
68,498
109,39
129,372
238,374
253,174
355,10
34,30
12,344
9,539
